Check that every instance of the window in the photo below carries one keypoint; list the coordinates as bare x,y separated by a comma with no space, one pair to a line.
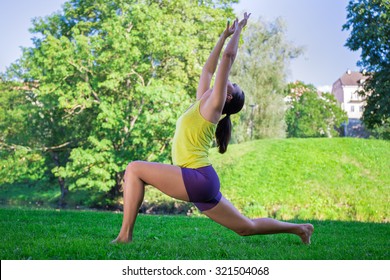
355,96
361,109
352,108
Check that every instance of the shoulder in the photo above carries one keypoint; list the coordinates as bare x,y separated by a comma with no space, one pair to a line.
206,108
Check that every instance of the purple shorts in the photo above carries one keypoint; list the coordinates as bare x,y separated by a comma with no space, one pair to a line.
202,185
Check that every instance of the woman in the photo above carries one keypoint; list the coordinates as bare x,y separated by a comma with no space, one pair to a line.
192,178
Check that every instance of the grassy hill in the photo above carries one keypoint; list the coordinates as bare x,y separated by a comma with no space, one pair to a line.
338,179
343,179
342,186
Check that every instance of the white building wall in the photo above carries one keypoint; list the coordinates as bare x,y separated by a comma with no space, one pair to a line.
353,102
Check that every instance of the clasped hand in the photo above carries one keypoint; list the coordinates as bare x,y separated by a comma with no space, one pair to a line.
230,29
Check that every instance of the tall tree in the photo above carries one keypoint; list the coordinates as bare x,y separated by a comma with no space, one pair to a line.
260,69
113,77
369,22
310,114
18,162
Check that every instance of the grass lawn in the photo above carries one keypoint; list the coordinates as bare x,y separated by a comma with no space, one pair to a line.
345,179
340,185
325,179
86,235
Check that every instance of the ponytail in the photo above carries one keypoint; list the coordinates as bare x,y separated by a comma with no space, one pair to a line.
223,133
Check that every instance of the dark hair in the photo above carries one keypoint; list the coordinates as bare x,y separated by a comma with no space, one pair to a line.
224,127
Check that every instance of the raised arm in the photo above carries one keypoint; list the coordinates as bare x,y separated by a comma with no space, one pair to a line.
217,99
212,62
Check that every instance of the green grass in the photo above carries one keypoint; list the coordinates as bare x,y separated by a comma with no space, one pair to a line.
85,235
340,185
345,179
333,179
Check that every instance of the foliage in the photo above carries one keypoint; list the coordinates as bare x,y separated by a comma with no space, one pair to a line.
17,161
86,235
260,70
12,113
369,22
381,131
111,81
310,114
19,164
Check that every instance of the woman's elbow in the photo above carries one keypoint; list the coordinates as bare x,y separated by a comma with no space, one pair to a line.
230,56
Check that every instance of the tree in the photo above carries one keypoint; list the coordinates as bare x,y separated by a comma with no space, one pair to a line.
310,114
17,161
112,77
369,22
260,70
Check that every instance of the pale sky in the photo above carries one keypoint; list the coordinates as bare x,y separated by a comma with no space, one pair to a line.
313,24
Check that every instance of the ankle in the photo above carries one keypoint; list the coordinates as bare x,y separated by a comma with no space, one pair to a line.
305,232
120,239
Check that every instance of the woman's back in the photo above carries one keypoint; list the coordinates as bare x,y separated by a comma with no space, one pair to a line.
193,137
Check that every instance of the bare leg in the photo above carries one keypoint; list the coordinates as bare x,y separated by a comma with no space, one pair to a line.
166,178
133,195
227,215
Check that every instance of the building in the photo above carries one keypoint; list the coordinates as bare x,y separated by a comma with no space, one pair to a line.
346,90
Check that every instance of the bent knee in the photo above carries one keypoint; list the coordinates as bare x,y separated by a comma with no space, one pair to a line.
133,166
245,230
132,169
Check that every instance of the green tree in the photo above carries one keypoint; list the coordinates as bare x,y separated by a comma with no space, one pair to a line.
113,77
310,114
18,162
260,69
369,22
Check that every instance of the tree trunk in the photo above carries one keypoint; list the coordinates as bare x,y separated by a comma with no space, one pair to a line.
61,181
114,192
64,192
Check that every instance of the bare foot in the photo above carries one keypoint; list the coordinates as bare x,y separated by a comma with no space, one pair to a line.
120,239
306,232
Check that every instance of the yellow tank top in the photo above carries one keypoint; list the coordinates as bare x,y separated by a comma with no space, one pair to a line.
193,137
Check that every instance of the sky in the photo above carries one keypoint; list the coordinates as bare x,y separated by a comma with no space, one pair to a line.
315,25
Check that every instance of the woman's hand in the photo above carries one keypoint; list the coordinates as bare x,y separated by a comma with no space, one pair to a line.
244,21
230,29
